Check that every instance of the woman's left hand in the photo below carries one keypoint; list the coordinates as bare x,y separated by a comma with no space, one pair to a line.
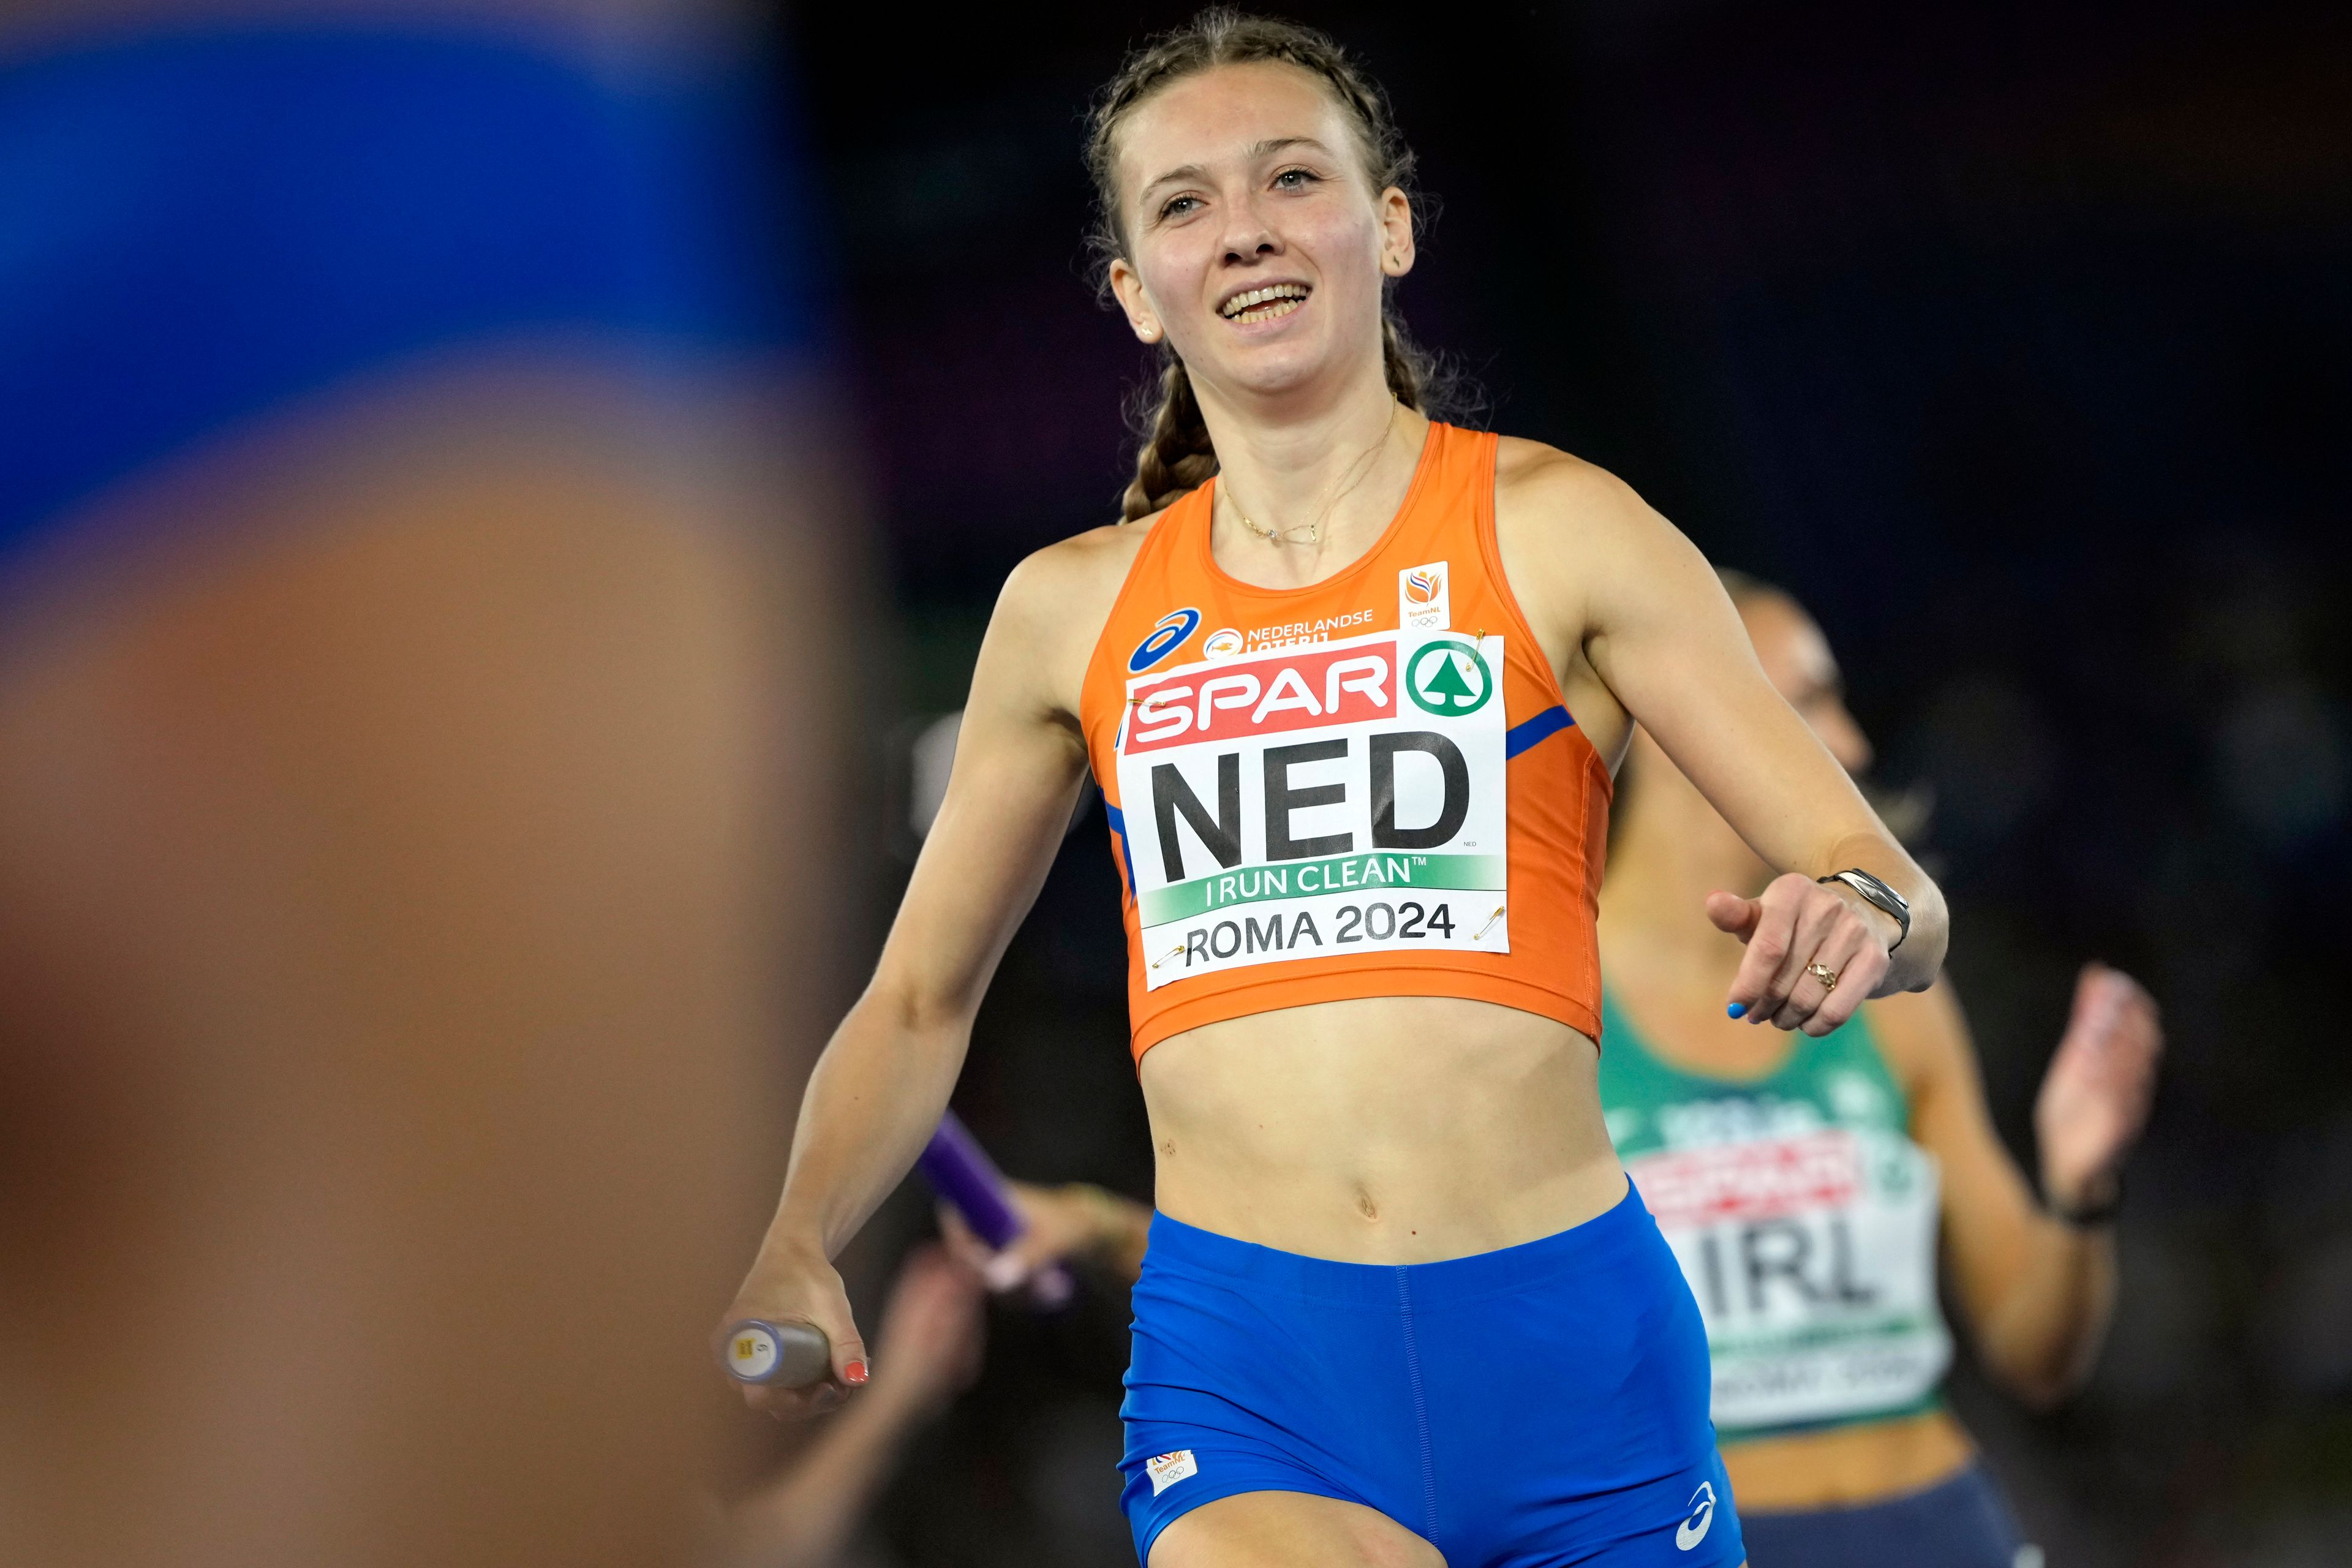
2095,1098
1796,929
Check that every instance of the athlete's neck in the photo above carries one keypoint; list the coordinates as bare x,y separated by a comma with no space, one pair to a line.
1326,474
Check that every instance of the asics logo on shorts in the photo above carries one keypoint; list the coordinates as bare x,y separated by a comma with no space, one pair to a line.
1693,1531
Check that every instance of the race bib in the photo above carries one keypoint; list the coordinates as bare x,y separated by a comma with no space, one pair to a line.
1813,1260
1330,799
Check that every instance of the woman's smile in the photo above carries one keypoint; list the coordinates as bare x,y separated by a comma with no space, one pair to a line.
1262,304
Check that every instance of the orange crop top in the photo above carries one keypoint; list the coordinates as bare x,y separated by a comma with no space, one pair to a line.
1367,787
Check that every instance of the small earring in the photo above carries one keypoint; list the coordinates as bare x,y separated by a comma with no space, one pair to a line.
1149,334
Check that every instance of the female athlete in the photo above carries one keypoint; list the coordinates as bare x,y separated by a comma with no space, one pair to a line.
1804,1187
1400,1307
1805,1190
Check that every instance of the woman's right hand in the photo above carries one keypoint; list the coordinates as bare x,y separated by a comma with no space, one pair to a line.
1797,932
792,1286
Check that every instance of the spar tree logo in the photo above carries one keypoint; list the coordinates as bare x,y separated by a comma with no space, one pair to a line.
1449,679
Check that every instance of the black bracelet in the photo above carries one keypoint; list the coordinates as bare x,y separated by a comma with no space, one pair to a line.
2093,1217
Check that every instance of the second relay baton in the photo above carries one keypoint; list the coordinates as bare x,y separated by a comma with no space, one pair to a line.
960,1171
793,1356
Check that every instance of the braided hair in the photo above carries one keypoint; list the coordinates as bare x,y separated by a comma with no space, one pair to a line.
1174,453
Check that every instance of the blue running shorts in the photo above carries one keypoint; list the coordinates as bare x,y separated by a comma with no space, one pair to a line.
1959,1523
1542,1404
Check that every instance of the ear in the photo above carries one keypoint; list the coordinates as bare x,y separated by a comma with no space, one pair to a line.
1127,285
1396,233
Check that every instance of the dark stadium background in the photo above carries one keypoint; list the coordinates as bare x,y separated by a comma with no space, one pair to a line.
2016,340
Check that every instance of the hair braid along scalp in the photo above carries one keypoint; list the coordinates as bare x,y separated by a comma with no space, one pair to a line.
1175,454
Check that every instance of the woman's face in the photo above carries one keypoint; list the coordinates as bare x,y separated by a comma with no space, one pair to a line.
1255,246
1797,660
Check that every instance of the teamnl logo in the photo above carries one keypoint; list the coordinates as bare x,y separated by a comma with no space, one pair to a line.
1425,598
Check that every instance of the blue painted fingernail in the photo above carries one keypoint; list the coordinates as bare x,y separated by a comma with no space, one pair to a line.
1738,1009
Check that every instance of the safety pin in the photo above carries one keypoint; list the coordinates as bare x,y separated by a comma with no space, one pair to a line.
1178,948
1482,929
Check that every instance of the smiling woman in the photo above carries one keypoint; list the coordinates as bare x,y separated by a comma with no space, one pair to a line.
1177,454
1400,1306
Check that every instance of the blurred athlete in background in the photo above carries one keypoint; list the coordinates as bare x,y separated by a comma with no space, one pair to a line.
394,480
1806,1183
1399,1302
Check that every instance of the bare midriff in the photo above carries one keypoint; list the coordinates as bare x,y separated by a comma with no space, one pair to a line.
1381,1129
1846,1467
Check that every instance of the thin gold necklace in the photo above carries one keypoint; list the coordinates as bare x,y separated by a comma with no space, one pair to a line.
1314,530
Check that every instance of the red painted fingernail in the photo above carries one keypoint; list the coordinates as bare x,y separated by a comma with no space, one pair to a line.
854,1373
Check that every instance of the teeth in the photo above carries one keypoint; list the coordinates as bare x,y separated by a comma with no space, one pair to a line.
1278,293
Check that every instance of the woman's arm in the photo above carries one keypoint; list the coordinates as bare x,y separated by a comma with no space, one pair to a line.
2037,1292
878,1089
806,1515
1629,599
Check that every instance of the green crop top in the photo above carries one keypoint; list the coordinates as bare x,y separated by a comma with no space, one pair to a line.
1805,1219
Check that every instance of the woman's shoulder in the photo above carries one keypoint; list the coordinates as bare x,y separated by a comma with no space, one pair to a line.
1083,563
1057,601
1538,474
1573,523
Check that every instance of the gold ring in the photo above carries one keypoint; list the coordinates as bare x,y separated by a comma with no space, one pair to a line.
1825,975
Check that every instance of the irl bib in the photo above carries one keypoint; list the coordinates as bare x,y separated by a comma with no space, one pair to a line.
1366,787
1805,1219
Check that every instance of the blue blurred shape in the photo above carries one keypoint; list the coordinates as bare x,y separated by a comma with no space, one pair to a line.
204,225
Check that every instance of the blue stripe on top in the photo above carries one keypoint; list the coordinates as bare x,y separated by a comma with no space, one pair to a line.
202,226
1126,859
1542,727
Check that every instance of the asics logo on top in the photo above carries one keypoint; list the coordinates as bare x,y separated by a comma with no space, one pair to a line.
1172,630
1693,1531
